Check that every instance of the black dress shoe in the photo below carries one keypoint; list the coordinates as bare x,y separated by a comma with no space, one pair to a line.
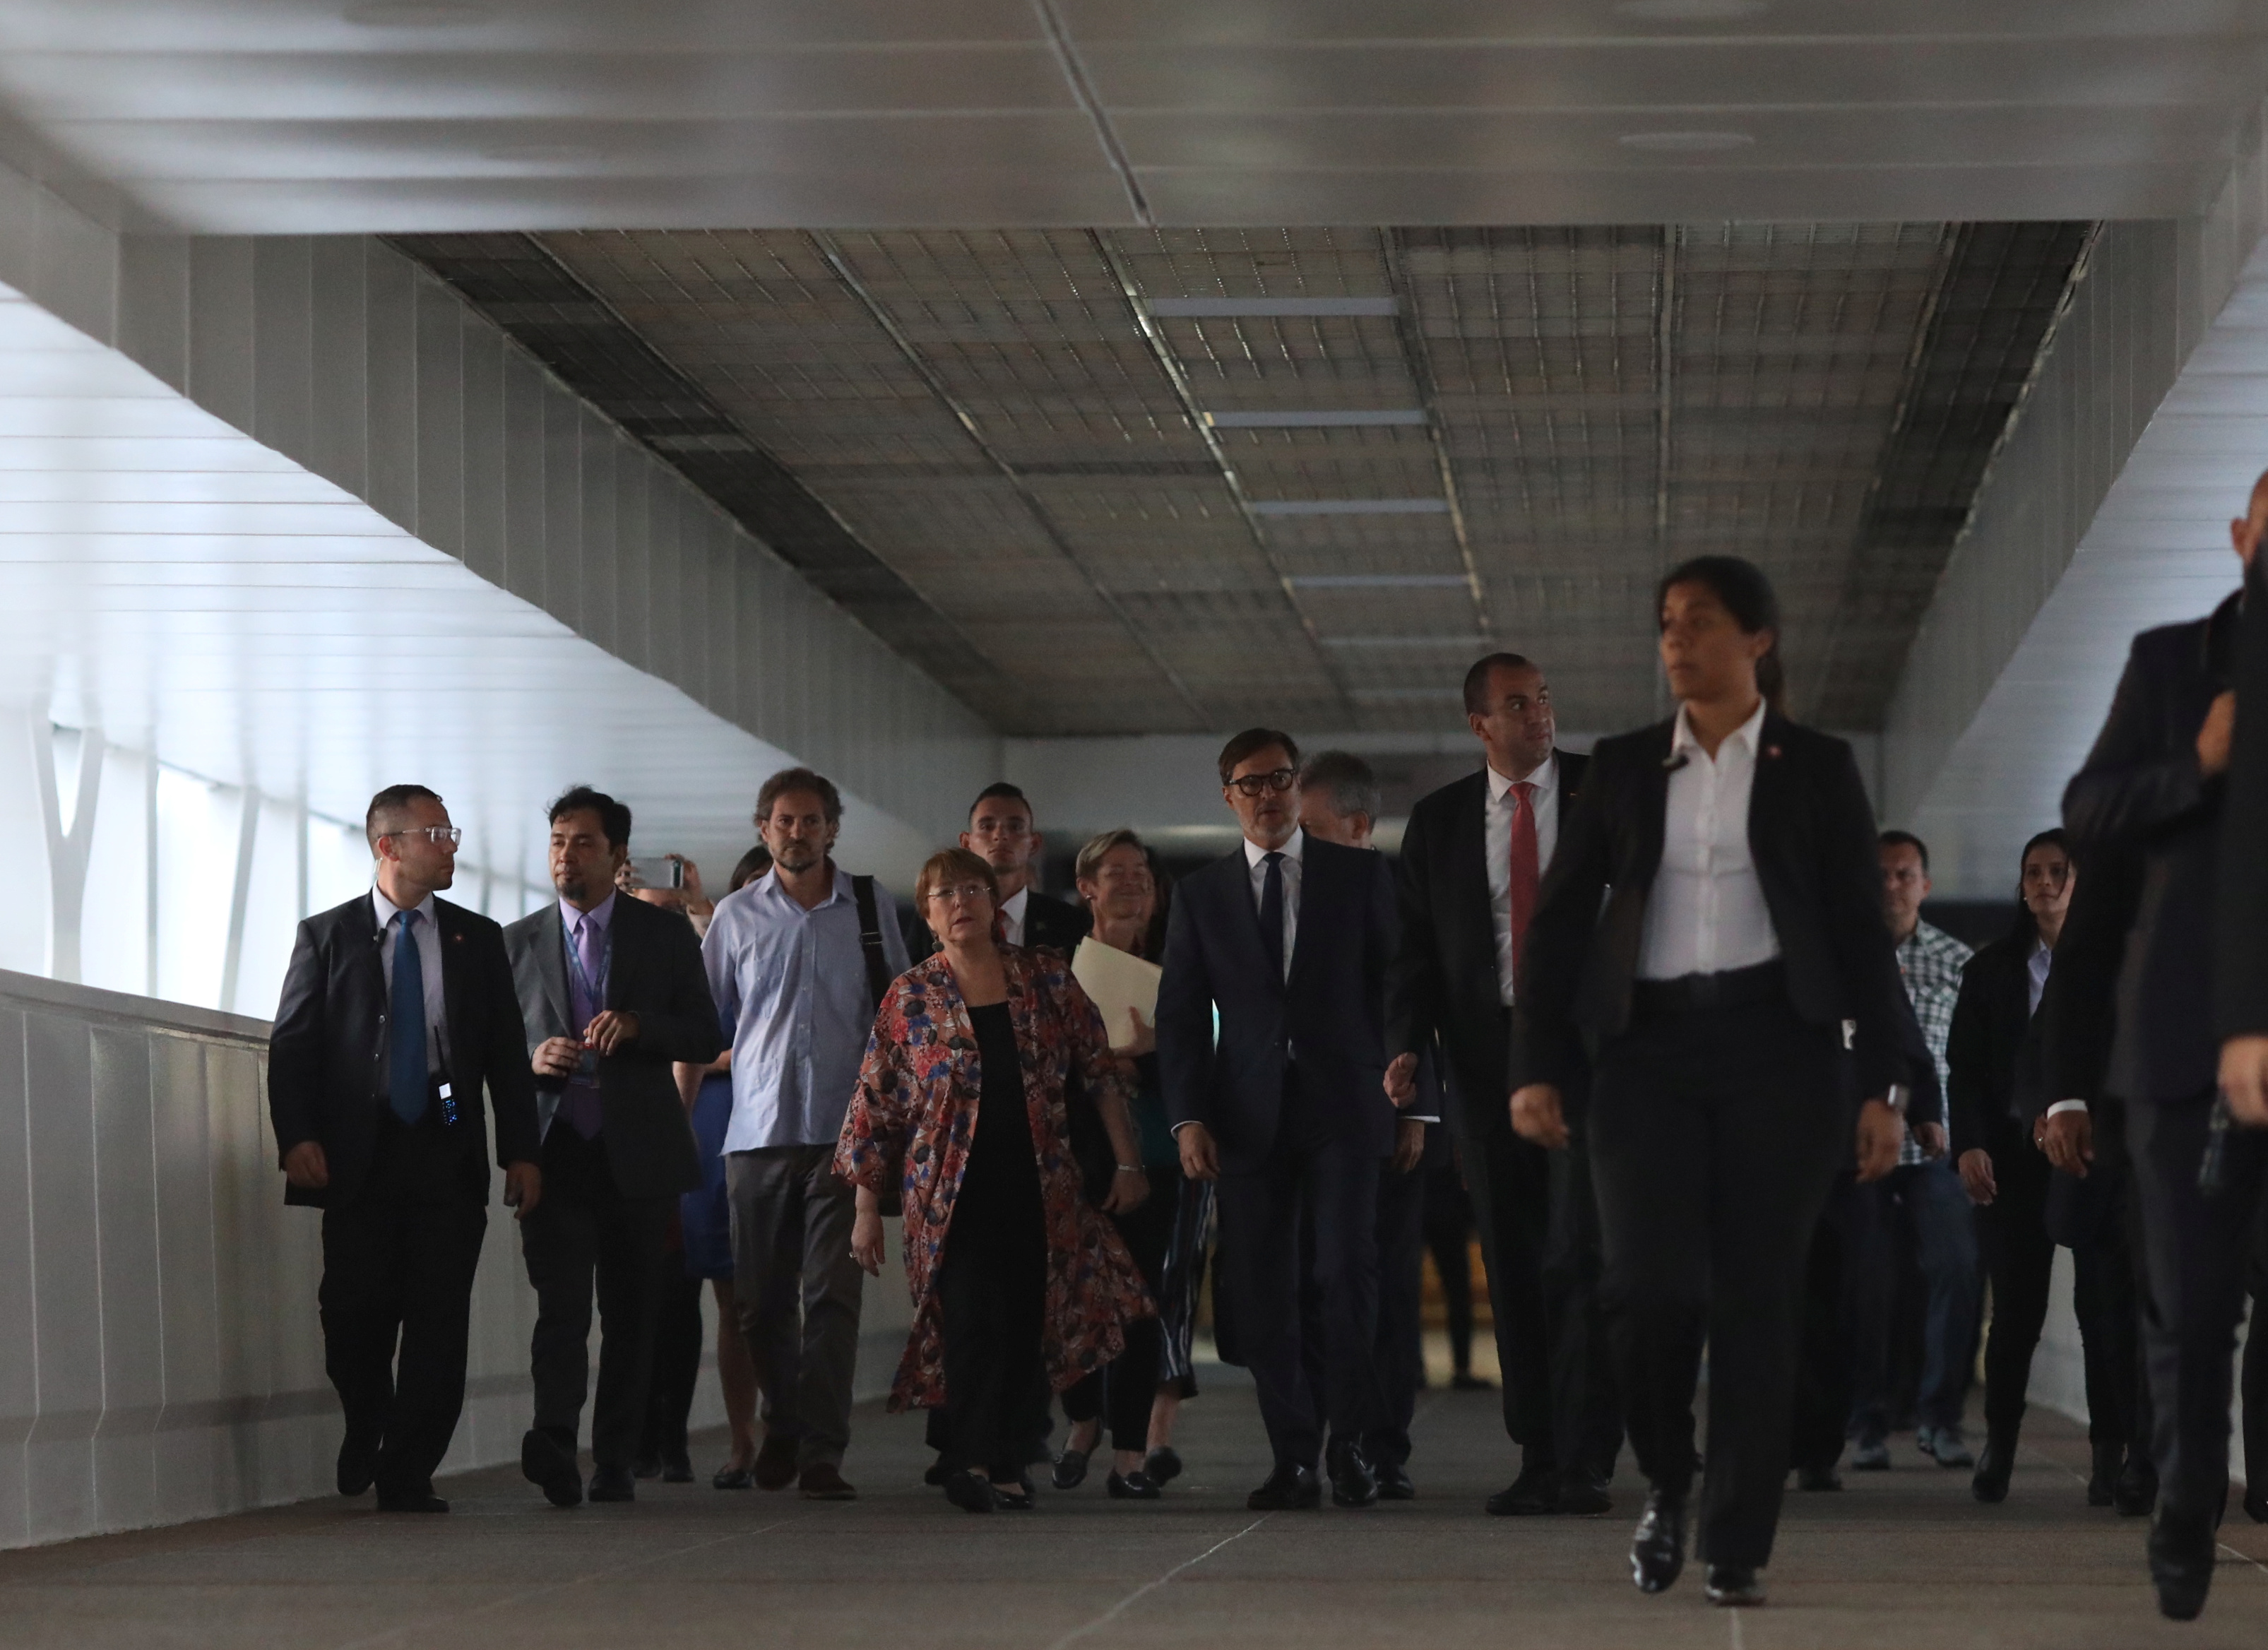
2181,1562
1657,1550
970,1492
1137,1485
1070,1469
1736,1586
1020,1500
612,1483
2101,1483
1289,1488
1535,1492
549,1462
1353,1481
729,1476
1394,1484
1583,1494
2135,1491
677,1469
358,1462
1989,1484
1162,1465
935,1476
410,1502
1815,1477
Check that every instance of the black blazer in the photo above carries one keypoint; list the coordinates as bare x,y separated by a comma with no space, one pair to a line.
1325,1024
1992,1056
2142,792
327,1076
1811,832
2241,956
654,971
2079,1012
1444,982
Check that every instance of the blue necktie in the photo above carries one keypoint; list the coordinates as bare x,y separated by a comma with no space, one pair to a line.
1271,912
406,1085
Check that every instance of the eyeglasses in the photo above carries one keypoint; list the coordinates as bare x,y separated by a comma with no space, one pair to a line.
1262,783
961,893
437,835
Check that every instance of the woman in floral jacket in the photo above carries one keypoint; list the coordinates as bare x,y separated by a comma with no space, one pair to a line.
962,1101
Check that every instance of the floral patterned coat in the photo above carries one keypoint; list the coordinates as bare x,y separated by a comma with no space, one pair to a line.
917,1099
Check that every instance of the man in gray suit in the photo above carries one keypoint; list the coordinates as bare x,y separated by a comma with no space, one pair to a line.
612,991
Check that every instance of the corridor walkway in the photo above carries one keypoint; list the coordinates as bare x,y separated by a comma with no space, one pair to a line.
1905,1559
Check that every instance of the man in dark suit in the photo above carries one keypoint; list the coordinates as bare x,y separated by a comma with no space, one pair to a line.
1288,939
1472,859
397,1013
2153,787
1001,833
612,991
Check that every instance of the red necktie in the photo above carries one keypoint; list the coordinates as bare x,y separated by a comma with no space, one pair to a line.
1520,887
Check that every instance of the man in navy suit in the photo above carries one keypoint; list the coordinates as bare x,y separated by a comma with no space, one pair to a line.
1288,939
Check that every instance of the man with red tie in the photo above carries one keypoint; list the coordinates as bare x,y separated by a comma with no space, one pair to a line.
1472,861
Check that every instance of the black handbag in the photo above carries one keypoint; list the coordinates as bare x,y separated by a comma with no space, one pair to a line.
1090,1142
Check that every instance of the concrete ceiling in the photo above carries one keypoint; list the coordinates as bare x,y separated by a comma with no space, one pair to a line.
1113,482
405,115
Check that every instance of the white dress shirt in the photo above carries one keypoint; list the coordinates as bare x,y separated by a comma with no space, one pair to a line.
1256,857
1706,912
428,929
1503,808
1013,909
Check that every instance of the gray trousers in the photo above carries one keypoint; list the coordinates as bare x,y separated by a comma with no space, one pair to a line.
798,1291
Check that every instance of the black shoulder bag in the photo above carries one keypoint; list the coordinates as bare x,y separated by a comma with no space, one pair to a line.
891,1198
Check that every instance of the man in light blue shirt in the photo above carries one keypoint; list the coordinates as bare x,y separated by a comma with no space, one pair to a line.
796,981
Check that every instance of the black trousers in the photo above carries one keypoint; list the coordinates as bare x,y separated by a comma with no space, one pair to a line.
1448,1226
1122,1391
1538,1221
677,1341
585,1230
1824,1377
1715,1138
991,1297
2253,1384
2196,1251
398,1265
1327,1190
1401,1334
2020,1258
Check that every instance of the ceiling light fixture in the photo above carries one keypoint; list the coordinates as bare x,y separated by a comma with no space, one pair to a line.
1693,11
1315,420
1285,307
1351,507
416,14
1379,581
1685,142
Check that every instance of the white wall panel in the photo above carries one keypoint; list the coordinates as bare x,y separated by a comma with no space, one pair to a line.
168,1363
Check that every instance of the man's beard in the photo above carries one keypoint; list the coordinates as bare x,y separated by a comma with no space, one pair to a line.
798,856
573,884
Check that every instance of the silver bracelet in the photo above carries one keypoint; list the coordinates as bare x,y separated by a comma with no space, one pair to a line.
1130,1168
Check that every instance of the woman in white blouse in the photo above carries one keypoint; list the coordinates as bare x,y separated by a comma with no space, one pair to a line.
1712,917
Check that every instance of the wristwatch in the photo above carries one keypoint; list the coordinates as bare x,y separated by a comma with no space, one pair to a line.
1895,1098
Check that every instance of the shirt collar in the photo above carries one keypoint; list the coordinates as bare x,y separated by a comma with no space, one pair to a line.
1545,779
2040,949
769,886
1750,733
598,916
1015,904
1254,853
388,910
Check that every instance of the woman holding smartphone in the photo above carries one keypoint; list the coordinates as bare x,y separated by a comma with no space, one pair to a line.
1712,916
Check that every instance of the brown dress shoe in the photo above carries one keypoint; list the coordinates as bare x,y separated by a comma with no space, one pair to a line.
775,1465
822,1481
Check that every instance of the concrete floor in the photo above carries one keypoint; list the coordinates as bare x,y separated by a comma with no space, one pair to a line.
1904,1557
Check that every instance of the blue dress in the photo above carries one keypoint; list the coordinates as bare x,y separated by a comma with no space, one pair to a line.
705,1215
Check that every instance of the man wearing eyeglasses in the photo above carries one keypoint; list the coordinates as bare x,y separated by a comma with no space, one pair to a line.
398,1012
1288,938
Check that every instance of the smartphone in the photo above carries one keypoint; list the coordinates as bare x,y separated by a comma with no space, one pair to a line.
668,872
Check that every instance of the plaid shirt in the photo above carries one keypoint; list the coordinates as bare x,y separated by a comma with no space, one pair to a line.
1930,962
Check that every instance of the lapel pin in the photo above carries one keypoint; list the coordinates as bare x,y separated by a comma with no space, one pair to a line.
1771,750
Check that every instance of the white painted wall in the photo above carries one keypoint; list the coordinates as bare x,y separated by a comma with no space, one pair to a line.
164,1361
